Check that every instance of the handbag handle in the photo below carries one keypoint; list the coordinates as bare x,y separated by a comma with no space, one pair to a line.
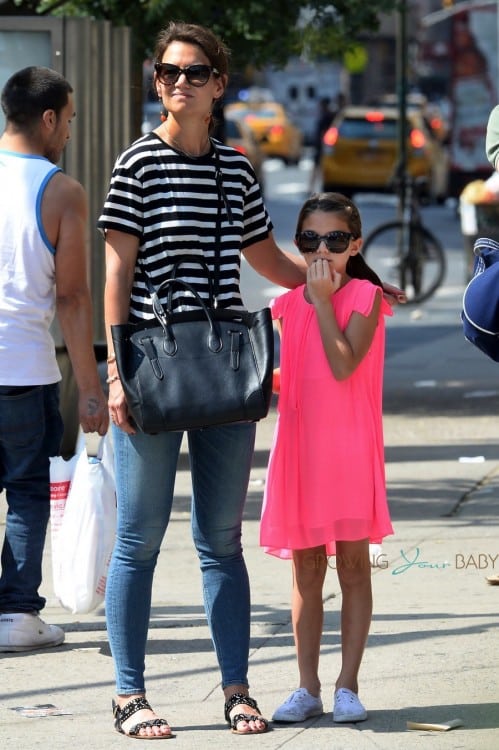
164,317
201,263
153,293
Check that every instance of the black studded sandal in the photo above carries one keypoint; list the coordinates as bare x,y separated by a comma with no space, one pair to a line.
239,699
121,714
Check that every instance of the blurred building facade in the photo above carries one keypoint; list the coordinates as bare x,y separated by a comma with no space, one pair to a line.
452,58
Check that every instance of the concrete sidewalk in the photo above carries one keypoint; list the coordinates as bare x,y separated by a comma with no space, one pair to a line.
433,650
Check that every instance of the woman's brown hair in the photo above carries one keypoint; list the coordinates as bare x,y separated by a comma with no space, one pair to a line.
213,47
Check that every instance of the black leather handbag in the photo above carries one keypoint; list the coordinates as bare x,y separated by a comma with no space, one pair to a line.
193,369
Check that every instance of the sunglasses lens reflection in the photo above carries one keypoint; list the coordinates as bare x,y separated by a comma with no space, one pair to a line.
196,75
336,242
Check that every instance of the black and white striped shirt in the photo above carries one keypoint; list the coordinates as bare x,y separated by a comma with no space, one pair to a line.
170,202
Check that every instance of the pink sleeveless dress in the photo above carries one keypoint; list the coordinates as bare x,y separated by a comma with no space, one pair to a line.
326,476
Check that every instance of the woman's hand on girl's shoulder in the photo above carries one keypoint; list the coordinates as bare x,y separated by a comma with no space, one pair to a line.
393,294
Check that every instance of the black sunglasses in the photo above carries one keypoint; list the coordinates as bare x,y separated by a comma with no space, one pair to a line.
197,75
336,242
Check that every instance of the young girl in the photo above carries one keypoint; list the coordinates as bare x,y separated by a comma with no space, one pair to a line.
325,492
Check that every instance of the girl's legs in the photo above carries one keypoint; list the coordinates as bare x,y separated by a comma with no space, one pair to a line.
220,463
354,574
307,612
145,475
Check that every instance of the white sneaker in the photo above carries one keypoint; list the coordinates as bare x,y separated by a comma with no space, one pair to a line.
22,631
299,706
347,707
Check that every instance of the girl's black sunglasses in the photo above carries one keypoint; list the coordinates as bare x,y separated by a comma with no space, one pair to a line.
197,75
336,242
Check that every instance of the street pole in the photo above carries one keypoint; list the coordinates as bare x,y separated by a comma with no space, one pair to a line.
401,71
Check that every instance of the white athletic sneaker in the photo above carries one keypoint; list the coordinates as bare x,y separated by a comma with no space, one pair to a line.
347,707
299,706
22,631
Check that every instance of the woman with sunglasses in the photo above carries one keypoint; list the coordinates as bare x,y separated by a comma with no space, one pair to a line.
176,197
325,492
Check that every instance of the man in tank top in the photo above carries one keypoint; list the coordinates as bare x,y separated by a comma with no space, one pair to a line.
42,274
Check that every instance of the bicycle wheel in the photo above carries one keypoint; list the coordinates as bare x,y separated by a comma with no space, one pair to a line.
409,257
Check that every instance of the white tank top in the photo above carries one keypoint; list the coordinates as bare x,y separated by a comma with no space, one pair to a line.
27,273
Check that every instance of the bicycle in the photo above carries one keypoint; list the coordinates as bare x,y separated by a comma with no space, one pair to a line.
404,252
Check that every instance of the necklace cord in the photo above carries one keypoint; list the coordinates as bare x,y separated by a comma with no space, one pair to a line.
173,142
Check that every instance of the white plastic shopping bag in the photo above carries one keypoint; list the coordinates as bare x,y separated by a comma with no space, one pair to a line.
85,537
61,474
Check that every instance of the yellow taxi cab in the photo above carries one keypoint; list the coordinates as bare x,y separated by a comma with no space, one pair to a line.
430,111
276,134
360,152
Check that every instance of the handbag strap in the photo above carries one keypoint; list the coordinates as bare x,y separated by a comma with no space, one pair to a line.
157,307
223,202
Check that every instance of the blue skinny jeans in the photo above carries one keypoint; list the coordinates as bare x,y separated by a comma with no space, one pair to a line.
220,460
30,432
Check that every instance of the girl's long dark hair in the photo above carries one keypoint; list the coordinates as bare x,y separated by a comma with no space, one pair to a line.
338,203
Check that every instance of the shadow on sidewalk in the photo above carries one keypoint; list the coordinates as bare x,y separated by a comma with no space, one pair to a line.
473,715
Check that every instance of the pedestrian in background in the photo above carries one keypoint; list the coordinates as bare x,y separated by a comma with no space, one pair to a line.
42,272
167,190
325,117
492,150
325,492
492,138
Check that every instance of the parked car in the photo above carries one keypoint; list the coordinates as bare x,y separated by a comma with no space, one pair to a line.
277,135
240,136
432,113
361,152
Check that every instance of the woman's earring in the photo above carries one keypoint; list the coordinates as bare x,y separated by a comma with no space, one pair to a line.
162,111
